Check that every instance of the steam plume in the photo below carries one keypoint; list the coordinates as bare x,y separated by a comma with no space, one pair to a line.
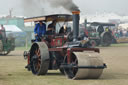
67,4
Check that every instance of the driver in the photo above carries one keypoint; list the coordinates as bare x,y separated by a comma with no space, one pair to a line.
39,30
100,29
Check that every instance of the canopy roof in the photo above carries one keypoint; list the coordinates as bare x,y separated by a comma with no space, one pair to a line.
57,17
100,23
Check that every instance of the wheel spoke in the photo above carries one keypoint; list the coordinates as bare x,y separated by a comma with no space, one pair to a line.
73,61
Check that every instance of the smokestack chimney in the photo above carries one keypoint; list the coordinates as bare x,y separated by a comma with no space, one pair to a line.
76,19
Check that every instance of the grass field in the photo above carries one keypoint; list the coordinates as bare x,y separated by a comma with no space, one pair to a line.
120,44
12,71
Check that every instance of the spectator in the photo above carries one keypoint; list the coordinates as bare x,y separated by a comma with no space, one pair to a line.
2,32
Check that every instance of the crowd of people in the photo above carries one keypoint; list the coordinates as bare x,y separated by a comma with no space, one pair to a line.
121,33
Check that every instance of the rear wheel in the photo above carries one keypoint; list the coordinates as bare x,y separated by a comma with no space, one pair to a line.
106,39
39,58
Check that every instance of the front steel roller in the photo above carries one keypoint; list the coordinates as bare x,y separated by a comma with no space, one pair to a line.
84,65
39,58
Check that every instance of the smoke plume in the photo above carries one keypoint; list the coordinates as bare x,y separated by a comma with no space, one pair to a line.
67,4
35,7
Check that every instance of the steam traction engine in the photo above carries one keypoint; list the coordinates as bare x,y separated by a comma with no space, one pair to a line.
57,52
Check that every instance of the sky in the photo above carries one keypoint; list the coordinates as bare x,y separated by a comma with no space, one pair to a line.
92,6
86,6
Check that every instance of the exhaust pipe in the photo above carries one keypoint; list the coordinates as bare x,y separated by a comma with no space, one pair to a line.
76,19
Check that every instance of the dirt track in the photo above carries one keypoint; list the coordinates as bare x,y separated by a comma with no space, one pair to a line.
12,70
116,59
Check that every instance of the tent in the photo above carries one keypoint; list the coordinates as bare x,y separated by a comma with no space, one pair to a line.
12,28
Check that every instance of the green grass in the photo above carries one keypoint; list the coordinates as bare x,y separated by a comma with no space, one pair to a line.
22,48
12,72
115,45
119,45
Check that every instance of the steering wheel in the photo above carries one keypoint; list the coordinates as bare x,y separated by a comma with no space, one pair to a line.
70,36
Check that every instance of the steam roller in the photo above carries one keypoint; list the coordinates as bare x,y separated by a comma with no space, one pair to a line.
71,57
74,64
